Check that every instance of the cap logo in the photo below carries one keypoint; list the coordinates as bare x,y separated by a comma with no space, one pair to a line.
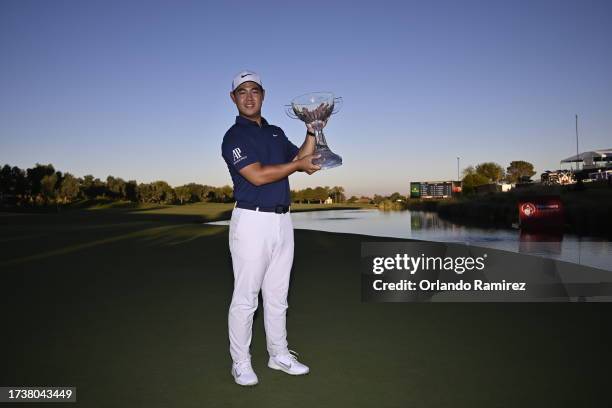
245,76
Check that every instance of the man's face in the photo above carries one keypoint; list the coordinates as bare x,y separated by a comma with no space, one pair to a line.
248,98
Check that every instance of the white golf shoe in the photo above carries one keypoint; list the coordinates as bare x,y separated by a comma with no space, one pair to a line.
243,373
288,363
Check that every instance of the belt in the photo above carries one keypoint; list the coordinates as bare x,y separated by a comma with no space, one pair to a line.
278,209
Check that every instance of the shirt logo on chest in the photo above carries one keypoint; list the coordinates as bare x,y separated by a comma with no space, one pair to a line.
274,135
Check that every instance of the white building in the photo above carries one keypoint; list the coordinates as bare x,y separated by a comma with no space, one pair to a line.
595,159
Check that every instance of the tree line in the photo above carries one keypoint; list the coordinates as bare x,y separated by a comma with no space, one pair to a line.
318,195
44,185
490,172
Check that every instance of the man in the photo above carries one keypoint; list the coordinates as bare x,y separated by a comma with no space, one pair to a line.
260,158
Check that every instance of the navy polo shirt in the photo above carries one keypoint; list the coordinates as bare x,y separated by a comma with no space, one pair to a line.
246,143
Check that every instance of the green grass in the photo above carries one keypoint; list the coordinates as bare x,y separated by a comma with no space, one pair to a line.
130,306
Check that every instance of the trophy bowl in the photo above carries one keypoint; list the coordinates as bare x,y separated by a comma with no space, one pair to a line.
314,109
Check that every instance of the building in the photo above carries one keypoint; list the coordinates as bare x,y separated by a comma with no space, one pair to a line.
601,175
493,188
594,165
562,177
593,160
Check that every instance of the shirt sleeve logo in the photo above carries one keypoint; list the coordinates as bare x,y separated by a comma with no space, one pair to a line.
238,155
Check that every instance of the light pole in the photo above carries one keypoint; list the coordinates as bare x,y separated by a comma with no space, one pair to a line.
458,169
577,162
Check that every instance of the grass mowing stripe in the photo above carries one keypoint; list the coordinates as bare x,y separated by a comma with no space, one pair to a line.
79,247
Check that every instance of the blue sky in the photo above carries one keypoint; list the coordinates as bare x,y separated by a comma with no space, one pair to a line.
139,89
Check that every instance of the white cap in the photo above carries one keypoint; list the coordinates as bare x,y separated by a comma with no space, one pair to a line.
245,76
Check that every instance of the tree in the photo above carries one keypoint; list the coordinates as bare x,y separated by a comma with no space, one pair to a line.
69,189
468,170
87,186
378,199
131,190
13,183
396,197
226,194
337,193
145,193
47,187
492,171
35,176
197,192
321,194
473,180
6,181
518,169
116,187
183,194
58,180
297,196
93,187
309,194
162,192
21,182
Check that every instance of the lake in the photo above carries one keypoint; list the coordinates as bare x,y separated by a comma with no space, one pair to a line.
428,226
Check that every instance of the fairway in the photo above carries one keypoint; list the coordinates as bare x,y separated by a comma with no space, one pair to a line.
130,306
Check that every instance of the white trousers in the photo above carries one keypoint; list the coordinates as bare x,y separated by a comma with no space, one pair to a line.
261,244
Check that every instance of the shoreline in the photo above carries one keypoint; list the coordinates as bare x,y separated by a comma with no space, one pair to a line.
586,211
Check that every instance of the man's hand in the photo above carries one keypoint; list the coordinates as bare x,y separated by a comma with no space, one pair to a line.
305,163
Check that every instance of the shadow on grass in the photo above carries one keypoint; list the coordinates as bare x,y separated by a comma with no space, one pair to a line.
127,215
132,310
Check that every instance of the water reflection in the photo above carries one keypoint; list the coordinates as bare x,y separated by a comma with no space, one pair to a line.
429,226
547,242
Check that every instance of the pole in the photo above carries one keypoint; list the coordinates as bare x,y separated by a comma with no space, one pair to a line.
577,162
458,169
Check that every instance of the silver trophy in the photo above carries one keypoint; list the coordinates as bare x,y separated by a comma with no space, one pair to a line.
314,109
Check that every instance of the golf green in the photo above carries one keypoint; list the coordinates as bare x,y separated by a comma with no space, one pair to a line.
130,307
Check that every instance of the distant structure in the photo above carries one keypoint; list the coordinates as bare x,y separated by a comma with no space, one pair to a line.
434,189
594,165
558,177
594,160
495,188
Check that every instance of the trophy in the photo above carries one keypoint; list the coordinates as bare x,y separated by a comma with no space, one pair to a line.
314,109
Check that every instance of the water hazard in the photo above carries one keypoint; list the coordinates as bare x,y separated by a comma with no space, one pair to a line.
428,226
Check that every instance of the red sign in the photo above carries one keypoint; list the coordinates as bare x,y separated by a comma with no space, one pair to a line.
541,212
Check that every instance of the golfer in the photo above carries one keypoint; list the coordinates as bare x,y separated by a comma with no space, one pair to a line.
260,158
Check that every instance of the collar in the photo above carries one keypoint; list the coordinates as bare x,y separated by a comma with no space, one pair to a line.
244,121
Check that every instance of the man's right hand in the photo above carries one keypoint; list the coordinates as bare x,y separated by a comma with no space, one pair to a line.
305,163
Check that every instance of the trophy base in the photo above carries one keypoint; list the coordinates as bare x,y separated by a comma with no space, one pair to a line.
328,158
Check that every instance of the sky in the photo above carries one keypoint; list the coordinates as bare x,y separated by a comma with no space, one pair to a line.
140,89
